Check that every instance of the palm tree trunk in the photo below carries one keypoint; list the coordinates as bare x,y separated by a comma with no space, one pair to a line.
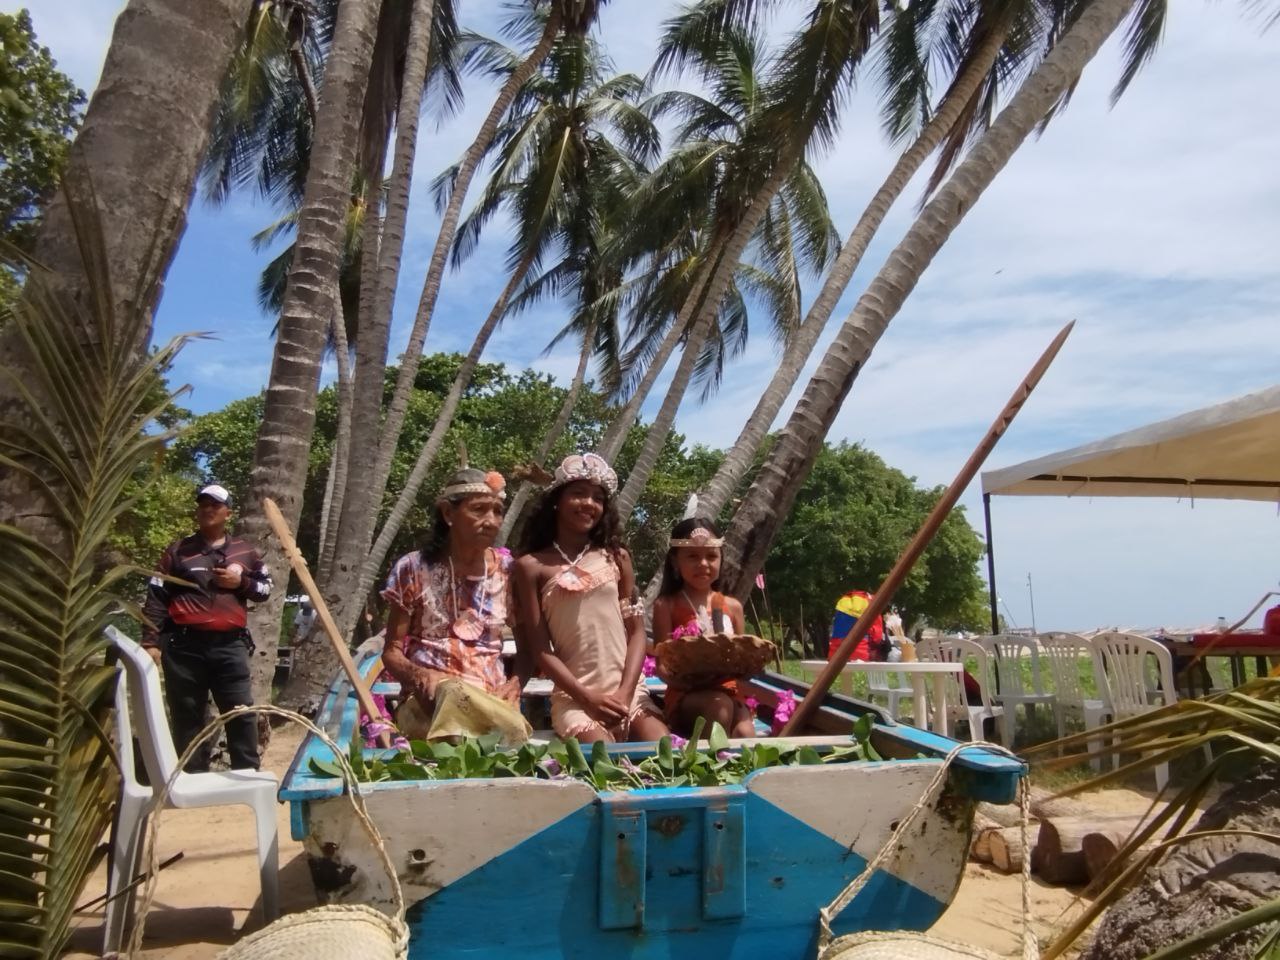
314,665
742,454
701,311
549,441
364,496
396,410
772,494
151,111
616,435
336,485
288,417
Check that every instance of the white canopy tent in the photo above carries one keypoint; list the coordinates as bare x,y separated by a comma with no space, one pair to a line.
1230,451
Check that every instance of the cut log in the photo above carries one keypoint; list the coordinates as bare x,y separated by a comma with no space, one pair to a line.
1100,848
1058,856
1006,849
1045,806
1001,816
980,845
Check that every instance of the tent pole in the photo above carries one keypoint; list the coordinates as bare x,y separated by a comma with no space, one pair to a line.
991,565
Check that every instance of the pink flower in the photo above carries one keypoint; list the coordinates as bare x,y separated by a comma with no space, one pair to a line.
786,706
690,629
650,667
752,703
502,552
759,581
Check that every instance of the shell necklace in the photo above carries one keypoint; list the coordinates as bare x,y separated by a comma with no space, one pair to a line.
572,578
469,625
700,613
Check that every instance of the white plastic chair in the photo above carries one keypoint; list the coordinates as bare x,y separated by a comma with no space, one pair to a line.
1064,651
957,650
1006,653
1127,661
878,686
140,680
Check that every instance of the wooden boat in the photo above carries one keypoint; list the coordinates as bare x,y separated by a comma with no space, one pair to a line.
539,868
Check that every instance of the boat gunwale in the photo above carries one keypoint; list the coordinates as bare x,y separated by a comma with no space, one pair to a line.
1000,773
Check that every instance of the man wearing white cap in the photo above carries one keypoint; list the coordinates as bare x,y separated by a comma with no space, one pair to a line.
198,633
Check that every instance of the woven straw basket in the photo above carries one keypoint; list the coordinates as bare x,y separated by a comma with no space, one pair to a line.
691,661
901,946
907,945
328,932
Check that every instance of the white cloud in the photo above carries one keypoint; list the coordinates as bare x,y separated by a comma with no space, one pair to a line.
1154,225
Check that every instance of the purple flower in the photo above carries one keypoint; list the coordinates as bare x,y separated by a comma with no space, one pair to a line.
502,552
725,754
551,766
678,742
650,667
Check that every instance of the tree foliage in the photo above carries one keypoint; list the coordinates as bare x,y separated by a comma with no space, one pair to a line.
855,514
39,113
852,518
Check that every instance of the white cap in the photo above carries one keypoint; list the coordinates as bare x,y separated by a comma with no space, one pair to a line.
217,492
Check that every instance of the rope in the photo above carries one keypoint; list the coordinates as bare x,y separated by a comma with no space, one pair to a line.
1030,949
353,793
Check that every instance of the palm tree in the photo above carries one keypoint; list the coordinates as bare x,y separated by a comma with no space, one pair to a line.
570,138
355,532
999,38
132,123
798,109
284,435
772,493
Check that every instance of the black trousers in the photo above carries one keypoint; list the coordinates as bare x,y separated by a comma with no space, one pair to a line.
195,666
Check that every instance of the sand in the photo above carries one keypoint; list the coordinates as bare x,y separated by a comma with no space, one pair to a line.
210,897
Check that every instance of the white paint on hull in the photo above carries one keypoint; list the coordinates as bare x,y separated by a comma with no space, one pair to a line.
436,833
857,804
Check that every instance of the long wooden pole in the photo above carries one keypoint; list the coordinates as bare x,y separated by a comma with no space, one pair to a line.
280,528
880,600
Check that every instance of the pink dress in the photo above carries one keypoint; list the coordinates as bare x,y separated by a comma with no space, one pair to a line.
588,634
425,592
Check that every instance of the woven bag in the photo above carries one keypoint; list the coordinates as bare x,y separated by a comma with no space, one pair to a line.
327,932
905,944
693,661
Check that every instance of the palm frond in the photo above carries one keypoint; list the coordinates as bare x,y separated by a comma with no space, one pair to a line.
1243,724
82,434
1140,41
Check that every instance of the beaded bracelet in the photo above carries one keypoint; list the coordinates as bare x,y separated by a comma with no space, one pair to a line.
631,609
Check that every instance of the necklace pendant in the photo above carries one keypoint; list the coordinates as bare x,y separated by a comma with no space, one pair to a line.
572,579
468,626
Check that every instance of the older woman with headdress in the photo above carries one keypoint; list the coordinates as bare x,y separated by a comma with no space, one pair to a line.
580,623
451,599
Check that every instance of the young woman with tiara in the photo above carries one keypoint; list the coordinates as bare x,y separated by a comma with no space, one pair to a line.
450,600
689,603
579,622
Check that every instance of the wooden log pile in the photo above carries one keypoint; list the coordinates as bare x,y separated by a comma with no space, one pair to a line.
1070,844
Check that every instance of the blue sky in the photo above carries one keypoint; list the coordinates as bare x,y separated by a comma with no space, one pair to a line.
1155,225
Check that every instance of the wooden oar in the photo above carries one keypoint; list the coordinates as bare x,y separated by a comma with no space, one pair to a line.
880,599
281,529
